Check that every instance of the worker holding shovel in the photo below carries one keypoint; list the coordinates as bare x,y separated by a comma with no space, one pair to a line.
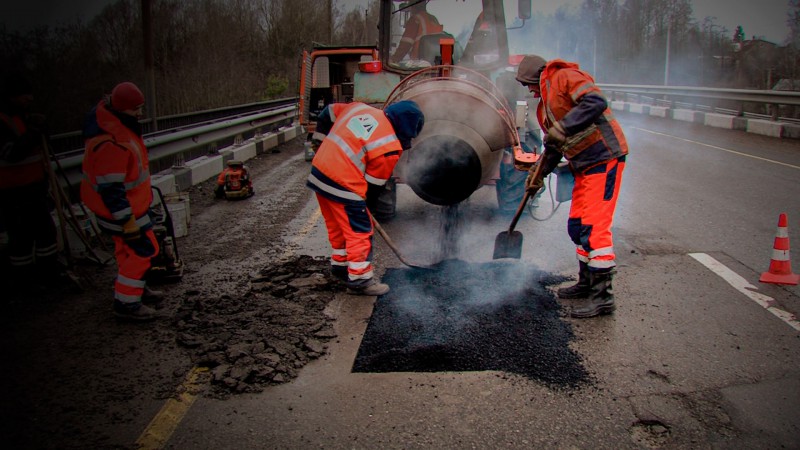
360,148
579,125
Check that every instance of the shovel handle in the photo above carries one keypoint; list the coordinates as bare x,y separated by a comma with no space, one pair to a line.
536,174
391,245
519,212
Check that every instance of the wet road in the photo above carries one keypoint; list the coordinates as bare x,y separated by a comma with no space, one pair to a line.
699,354
691,359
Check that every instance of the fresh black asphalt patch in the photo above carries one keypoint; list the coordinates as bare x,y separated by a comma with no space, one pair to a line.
463,316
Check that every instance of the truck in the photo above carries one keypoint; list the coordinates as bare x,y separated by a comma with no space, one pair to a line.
478,130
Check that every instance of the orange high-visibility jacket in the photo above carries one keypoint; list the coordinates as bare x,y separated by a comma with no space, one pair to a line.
360,148
21,163
116,171
420,25
570,97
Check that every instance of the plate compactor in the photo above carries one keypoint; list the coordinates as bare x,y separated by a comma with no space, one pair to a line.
167,266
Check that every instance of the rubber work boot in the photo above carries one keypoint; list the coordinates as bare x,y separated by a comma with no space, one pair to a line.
135,312
579,289
601,297
151,297
340,273
368,287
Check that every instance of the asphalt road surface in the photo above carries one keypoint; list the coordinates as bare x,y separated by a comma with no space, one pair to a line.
699,354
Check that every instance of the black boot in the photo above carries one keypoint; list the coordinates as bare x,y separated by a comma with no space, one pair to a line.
340,273
579,289
601,297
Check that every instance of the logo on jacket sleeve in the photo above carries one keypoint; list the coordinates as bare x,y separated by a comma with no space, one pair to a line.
363,126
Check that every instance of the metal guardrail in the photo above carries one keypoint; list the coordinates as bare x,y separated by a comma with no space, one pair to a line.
173,147
726,101
71,143
192,135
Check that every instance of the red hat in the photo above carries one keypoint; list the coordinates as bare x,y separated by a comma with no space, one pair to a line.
126,96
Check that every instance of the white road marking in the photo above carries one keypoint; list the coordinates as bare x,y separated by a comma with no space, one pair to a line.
718,148
741,285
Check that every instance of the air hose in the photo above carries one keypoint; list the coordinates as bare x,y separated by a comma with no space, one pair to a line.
553,202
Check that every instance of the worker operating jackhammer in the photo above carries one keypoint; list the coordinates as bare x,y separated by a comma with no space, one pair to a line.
579,125
359,147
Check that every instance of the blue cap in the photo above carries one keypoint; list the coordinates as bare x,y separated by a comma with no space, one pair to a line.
407,120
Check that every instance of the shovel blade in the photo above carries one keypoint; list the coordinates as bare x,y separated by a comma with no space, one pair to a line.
508,245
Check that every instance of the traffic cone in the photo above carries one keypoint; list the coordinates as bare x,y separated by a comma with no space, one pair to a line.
780,266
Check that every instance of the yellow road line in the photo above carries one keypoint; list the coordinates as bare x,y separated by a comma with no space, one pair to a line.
302,233
159,430
718,148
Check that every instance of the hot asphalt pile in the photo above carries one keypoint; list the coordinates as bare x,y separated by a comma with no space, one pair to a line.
472,317
266,334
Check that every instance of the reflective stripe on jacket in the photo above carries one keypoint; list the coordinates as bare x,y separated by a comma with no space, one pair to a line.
26,166
595,141
361,148
116,182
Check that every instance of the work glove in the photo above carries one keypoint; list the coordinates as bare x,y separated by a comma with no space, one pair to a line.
556,135
131,231
532,186
315,143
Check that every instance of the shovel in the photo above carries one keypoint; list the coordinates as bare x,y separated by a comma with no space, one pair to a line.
508,244
391,245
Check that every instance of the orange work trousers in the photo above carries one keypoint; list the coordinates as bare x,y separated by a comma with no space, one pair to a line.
594,199
133,262
350,234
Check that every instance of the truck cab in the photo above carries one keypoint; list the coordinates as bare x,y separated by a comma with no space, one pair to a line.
460,61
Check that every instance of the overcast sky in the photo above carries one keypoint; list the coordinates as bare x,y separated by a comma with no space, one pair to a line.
763,18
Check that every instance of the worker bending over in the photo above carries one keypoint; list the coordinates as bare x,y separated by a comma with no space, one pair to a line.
360,146
580,126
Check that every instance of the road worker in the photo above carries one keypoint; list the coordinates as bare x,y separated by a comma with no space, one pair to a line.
420,24
579,125
116,187
360,147
24,207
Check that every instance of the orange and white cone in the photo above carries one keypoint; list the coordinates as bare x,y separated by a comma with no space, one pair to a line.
780,266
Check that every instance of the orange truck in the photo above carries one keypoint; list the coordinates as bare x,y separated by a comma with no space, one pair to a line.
477,126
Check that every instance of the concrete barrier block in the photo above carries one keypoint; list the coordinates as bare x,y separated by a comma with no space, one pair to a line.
764,127
791,131
740,123
269,142
686,115
183,178
618,105
244,152
719,120
204,167
165,181
637,108
291,132
659,111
